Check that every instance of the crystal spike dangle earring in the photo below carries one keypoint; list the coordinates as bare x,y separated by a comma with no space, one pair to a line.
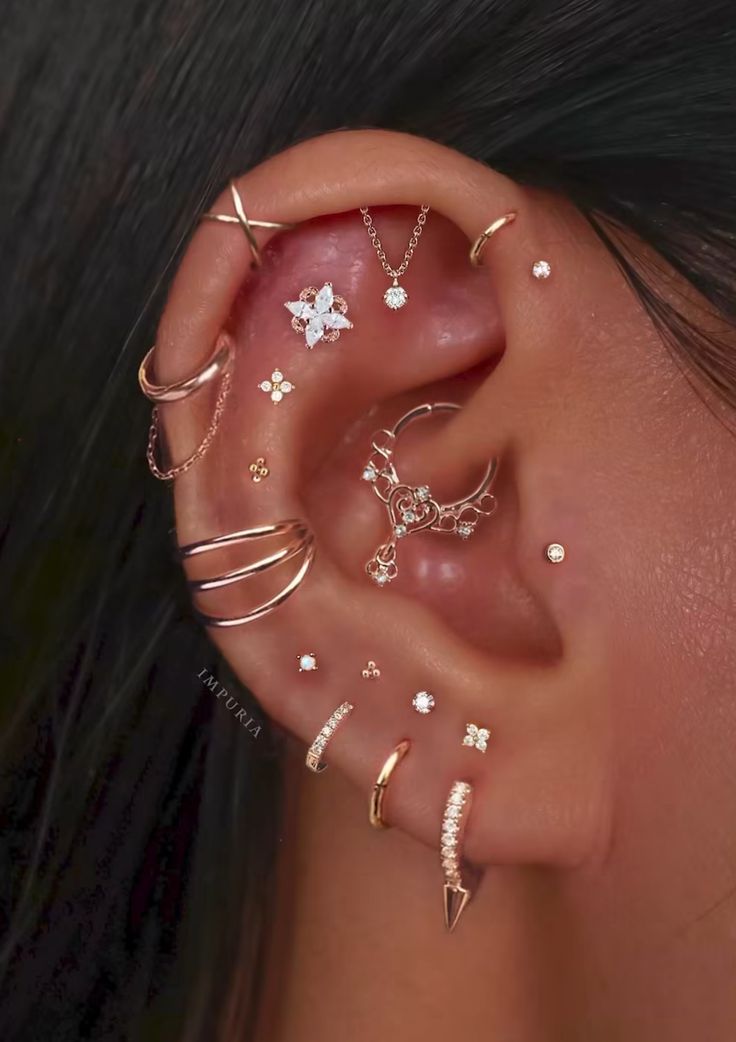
395,296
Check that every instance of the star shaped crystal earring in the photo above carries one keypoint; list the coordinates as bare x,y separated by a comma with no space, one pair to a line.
319,314
476,737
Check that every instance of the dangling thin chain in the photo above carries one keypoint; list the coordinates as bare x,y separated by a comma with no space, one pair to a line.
395,296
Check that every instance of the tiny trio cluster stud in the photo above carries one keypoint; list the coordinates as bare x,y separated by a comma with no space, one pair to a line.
319,314
370,671
413,509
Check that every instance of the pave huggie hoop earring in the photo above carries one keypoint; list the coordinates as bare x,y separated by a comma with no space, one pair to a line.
300,545
375,810
218,364
454,822
246,223
413,509
479,245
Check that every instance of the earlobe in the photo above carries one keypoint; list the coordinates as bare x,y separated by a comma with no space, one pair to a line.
321,364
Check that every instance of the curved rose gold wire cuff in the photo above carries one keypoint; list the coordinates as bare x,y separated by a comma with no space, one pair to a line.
301,543
247,224
219,362
479,245
314,755
454,822
378,796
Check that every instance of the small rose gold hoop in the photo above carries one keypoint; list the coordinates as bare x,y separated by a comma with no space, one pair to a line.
378,795
300,544
247,224
218,363
479,245
314,755
454,823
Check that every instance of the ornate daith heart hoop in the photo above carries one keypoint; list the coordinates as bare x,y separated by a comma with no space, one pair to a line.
414,509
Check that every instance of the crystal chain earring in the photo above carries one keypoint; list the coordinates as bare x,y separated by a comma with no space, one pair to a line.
395,296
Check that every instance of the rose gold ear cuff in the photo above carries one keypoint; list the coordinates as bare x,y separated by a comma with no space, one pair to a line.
454,822
247,224
320,743
413,509
479,245
299,546
378,796
219,364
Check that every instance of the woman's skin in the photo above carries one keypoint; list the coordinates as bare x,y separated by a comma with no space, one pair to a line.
604,807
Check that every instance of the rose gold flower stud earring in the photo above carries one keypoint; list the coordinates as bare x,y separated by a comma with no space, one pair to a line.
319,314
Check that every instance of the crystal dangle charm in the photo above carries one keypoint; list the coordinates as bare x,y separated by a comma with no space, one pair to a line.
395,296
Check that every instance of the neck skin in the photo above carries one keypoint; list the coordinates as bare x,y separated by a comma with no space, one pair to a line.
359,947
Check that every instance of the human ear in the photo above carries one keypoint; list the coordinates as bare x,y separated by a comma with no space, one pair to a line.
502,639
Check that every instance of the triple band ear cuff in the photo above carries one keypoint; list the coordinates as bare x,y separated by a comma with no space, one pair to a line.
299,548
218,365
413,508
247,224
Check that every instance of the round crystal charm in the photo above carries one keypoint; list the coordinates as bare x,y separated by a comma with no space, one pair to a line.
395,297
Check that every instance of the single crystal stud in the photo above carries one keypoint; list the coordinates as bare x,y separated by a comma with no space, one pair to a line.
308,662
541,269
555,553
476,737
423,702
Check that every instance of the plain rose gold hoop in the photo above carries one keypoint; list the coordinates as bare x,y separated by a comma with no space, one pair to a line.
300,544
218,364
378,795
413,509
479,245
246,223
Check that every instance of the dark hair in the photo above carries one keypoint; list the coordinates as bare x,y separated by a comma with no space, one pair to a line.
133,887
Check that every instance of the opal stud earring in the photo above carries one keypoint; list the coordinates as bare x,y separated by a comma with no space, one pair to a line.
307,662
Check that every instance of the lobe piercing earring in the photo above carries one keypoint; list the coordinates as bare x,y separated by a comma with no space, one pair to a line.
476,250
319,314
423,702
375,810
320,743
277,386
413,509
308,662
454,821
555,553
476,737
371,671
258,470
541,269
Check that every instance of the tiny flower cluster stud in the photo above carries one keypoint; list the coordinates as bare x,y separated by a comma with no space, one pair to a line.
319,314
277,386
258,470
476,737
